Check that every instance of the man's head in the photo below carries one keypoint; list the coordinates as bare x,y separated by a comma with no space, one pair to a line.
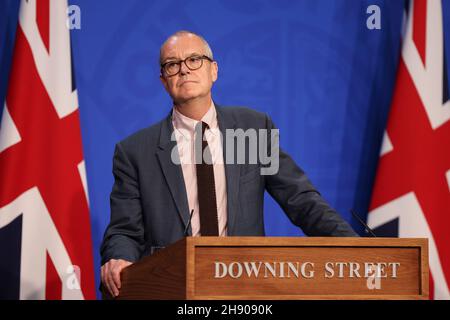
189,83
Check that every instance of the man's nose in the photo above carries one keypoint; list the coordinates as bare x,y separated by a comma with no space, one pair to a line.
183,68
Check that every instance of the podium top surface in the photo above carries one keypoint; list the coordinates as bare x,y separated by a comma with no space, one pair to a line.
306,241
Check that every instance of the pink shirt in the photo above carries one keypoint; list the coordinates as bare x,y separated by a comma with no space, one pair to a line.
185,135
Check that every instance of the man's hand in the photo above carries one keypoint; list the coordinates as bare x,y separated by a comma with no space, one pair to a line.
110,273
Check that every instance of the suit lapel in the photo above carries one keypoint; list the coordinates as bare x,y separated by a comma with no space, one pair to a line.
173,172
232,171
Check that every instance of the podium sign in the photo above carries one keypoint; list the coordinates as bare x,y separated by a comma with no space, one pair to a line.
281,268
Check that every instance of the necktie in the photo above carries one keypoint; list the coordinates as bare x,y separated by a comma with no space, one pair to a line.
209,225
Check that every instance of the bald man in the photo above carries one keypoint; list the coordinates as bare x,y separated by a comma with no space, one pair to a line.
163,192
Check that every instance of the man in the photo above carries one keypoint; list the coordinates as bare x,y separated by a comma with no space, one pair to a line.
162,193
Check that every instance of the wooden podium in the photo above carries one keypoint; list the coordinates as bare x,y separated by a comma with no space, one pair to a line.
257,268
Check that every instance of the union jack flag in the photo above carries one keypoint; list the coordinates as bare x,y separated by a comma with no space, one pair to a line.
45,233
411,196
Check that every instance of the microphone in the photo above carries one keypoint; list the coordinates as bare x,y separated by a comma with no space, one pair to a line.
366,227
189,223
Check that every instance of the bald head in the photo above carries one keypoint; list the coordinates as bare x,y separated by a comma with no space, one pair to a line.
174,38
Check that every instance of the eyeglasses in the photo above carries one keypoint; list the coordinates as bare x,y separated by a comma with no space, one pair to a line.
172,68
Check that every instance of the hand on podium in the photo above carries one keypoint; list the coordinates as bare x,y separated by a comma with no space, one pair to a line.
110,274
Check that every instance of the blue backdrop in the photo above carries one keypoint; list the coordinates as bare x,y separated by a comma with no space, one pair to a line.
324,78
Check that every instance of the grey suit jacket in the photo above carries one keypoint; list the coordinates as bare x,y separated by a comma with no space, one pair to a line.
149,206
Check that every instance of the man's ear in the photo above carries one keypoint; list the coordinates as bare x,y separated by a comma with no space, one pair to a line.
214,71
163,81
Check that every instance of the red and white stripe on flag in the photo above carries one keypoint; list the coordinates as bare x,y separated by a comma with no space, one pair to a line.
413,176
42,170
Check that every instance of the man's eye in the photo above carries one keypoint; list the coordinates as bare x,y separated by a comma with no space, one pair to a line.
194,59
171,65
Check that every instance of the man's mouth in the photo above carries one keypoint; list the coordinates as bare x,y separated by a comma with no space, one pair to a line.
186,81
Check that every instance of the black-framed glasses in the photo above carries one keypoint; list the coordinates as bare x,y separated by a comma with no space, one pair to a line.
172,68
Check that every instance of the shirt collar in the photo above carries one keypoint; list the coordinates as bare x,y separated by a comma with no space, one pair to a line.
186,125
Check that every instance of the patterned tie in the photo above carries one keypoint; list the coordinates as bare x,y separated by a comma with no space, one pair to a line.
206,187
